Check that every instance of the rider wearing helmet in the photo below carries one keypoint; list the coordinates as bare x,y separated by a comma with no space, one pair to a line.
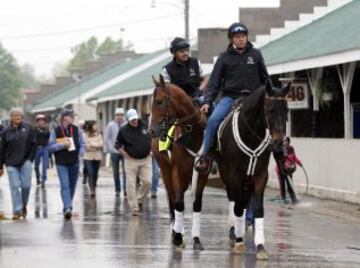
184,71
237,72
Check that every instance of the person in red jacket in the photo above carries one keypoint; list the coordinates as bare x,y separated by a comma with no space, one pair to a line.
285,175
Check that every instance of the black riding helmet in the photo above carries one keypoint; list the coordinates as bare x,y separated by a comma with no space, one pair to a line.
177,44
235,28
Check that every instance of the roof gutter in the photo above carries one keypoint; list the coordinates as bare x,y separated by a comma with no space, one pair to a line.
315,62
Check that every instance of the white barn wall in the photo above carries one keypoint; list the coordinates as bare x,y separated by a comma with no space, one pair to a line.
333,167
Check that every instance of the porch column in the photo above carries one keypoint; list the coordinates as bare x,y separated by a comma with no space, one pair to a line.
346,76
314,76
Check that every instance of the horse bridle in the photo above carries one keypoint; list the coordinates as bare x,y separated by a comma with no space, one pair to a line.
166,123
266,100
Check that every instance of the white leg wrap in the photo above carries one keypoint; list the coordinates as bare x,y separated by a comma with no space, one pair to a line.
179,222
196,224
259,231
240,226
231,216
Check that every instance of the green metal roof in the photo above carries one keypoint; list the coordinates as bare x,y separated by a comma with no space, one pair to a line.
140,81
336,32
75,90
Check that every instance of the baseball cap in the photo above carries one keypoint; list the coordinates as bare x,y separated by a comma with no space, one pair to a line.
132,114
40,117
119,111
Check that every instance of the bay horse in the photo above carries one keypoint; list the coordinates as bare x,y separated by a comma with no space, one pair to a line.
256,129
171,106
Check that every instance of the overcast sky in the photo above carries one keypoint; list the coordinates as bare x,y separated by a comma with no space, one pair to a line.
41,32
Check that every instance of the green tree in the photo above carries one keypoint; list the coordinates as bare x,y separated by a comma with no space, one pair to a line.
10,80
91,50
83,53
109,46
27,76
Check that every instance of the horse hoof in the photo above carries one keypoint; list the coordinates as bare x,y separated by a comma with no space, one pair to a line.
232,236
178,240
261,253
239,247
197,244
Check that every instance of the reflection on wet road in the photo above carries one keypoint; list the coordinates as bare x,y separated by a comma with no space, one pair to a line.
104,234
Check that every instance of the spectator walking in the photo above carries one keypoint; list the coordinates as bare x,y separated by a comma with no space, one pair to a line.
155,177
93,153
18,145
133,143
83,170
42,134
111,133
66,141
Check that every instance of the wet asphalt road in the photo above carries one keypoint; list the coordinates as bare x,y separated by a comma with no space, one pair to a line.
104,234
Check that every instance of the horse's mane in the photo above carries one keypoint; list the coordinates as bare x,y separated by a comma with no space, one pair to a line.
179,93
255,99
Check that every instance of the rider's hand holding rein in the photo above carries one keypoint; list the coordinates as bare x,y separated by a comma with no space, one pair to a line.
205,108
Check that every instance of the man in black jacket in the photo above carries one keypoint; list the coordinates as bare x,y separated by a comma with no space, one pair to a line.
184,71
237,72
42,149
133,143
17,153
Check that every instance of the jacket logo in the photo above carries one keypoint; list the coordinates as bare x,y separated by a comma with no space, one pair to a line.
23,130
250,60
192,72
144,132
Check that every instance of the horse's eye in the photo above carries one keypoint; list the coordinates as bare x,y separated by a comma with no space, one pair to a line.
158,102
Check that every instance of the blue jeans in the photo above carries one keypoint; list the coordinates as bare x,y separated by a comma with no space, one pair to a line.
250,211
68,176
20,184
155,175
41,155
222,109
115,160
92,168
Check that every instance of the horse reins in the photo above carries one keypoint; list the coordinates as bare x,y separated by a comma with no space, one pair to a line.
267,98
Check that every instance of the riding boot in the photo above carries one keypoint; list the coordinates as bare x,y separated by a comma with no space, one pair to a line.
203,165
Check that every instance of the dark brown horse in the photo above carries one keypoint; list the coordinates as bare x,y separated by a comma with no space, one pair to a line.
256,128
171,106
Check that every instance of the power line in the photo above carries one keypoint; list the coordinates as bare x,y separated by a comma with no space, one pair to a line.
45,49
86,29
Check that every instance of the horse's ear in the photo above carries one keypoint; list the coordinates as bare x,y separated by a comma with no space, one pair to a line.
162,81
286,89
269,87
155,81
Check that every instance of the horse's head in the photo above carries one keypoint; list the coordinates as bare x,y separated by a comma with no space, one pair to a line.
169,103
276,110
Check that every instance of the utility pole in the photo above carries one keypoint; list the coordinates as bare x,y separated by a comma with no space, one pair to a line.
186,16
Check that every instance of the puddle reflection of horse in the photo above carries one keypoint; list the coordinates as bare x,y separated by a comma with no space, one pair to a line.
256,128
172,107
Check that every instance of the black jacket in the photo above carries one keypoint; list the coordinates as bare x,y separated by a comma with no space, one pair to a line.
1,130
234,72
65,157
187,76
18,145
136,140
42,136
